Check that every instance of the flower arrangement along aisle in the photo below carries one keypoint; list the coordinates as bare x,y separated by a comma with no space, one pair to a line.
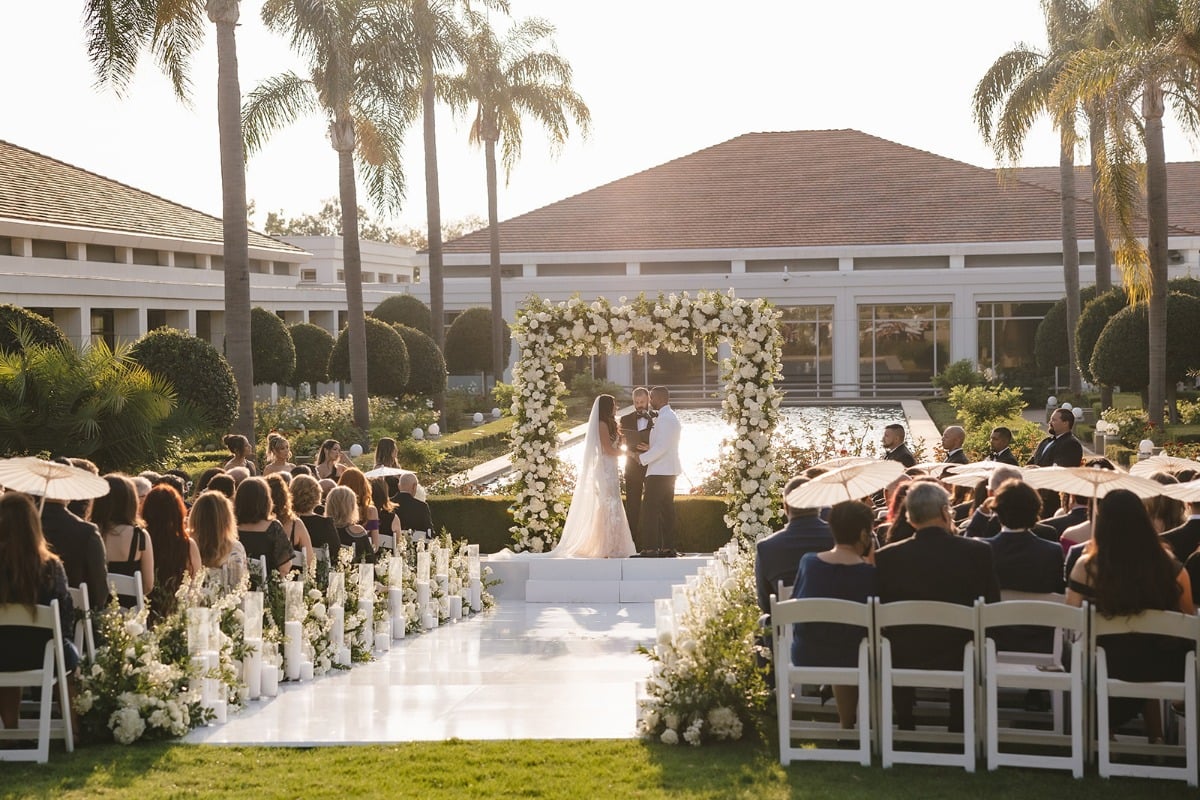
547,333
706,684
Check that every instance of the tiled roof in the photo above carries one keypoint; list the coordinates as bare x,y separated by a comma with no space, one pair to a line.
1183,190
36,188
790,189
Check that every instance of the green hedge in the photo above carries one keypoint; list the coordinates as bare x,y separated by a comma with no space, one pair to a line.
699,524
467,441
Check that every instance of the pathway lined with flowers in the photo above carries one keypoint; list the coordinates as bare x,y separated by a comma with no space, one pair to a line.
521,670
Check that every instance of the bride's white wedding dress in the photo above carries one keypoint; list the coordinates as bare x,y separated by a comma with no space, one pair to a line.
596,526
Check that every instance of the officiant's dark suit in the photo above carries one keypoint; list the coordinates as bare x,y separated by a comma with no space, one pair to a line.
1061,448
635,427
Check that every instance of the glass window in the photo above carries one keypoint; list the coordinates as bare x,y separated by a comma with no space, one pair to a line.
1006,337
902,346
807,333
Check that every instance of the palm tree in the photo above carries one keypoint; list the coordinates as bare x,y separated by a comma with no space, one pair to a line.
360,77
508,79
1152,60
1018,86
117,33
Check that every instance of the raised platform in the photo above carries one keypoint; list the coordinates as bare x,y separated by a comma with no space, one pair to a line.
591,580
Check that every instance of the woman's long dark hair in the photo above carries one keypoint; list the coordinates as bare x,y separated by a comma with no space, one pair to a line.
606,410
1129,569
24,554
164,513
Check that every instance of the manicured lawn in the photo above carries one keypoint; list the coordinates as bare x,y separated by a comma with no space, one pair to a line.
942,413
607,770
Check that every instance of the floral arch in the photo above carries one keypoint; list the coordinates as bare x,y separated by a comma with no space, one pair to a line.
548,332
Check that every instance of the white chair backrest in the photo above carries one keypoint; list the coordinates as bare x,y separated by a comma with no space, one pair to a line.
925,612
130,586
1032,612
1163,623
53,669
1048,597
822,609
387,542
85,637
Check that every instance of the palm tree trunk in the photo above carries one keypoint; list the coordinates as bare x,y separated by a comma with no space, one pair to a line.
489,151
343,139
233,213
433,207
1070,247
1102,247
1156,214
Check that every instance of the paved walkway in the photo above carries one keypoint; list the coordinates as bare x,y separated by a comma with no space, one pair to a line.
520,671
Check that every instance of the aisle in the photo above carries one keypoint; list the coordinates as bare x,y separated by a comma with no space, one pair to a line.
520,671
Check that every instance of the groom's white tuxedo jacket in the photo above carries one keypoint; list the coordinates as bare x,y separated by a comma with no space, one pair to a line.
662,458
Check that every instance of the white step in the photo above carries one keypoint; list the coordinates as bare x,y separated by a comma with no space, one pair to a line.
575,569
591,580
541,591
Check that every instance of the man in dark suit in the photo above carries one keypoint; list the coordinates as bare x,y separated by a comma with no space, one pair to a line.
1077,512
1001,443
952,442
1185,540
635,427
1024,562
894,447
413,513
777,557
1060,448
77,542
933,564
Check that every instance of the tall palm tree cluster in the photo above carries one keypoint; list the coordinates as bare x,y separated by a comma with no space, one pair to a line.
371,68
1108,72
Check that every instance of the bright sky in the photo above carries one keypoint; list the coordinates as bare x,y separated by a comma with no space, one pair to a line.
663,78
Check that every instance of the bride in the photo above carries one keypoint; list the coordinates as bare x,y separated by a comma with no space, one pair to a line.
596,526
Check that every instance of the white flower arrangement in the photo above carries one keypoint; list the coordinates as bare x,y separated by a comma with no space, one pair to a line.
548,332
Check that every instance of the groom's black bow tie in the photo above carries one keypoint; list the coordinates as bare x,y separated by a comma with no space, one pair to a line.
647,414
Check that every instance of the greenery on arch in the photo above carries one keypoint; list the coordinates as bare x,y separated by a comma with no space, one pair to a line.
548,332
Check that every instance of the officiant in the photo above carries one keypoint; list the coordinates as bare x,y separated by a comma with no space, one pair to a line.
635,427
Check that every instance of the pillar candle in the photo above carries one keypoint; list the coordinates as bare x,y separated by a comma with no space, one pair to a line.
472,561
291,649
337,628
396,572
343,657
252,666
423,594
335,593
396,612
306,670
383,635
476,595
293,600
422,567
442,560
443,582
252,610
270,680
455,602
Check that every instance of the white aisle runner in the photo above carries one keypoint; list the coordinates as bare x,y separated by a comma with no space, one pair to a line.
520,671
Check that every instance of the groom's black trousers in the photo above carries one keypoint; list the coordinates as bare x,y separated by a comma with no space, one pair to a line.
658,512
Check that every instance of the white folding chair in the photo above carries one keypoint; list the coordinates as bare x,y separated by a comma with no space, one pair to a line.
1026,671
927,613
129,585
387,541
1163,623
789,678
299,561
85,636
53,669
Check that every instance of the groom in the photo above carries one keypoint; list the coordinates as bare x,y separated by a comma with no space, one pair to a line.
661,460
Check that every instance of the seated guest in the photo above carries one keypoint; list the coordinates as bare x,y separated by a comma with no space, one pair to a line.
1001,446
952,441
386,456
127,545
238,474
413,513
143,486
894,447
303,469
82,508
175,482
342,509
1124,571
896,527
202,483
1076,506
1166,513
224,484
29,575
306,496
293,527
79,545
777,557
1185,539
242,452
332,461
213,527
844,574
983,522
175,552
389,522
259,532
1024,562
934,564
368,515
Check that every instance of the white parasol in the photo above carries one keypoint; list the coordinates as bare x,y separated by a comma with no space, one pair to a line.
978,466
1187,492
844,461
845,483
387,472
49,479
1148,466
960,478
1090,481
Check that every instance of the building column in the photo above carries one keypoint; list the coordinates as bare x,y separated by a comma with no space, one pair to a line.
76,323
964,329
845,346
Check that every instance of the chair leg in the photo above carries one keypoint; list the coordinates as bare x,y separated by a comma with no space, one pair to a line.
885,715
1103,761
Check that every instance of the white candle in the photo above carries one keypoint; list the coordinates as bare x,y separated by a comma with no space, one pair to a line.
270,680
252,668
428,617
306,670
383,635
220,711
198,630
335,594
343,657
252,610
396,572
455,601
422,594
366,580
422,567
472,561
476,595
443,582
293,599
442,559
337,628
396,612
291,649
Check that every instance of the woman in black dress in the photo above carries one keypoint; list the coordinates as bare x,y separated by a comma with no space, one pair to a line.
342,508
259,532
306,496
126,544
332,461
176,553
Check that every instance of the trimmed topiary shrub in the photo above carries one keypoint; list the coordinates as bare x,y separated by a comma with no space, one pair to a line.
313,345
469,342
201,376
426,367
1120,358
976,405
404,309
387,359
1092,319
40,330
274,352
1050,339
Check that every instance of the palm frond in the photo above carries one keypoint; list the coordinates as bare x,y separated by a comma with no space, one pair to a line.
179,27
115,32
273,104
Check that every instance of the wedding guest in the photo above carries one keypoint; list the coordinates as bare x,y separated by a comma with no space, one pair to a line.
306,496
175,552
82,508
143,486
953,439
213,526
1166,513
279,453
894,447
1125,570
1076,511
389,522
202,483
843,573
303,469
368,515
175,482
414,514
238,474
242,452
342,509
332,461
385,456
259,532
1000,441
1184,539
126,545
293,527
79,545
777,557
224,484
29,575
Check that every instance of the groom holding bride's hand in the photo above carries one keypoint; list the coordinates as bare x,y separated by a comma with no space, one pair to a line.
660,457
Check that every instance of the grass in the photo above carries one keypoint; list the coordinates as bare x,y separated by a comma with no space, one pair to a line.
537,769
941,412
